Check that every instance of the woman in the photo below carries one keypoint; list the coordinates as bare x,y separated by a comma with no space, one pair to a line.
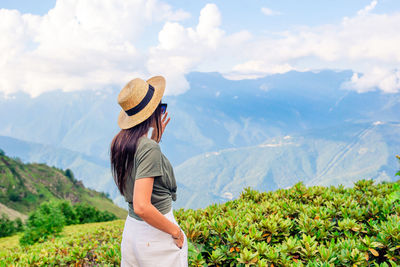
144,176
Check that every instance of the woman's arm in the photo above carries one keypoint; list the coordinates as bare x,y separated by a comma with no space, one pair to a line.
143,208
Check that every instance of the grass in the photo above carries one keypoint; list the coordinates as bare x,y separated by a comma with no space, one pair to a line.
89,244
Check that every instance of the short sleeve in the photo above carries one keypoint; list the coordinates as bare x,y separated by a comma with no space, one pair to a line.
148,161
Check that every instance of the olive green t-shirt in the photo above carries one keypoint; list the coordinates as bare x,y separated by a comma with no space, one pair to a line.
149,161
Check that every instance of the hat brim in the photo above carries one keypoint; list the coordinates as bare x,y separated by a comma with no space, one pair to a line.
126,122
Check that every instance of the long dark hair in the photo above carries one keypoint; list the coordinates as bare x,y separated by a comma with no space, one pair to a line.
123,148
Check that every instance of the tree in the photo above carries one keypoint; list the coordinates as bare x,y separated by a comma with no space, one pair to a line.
46,220
107,216
105,195
19,226
87,213
70,175
7,227
68,212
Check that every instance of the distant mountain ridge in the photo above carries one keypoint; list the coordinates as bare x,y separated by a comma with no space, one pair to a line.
319,157
215,114
23,187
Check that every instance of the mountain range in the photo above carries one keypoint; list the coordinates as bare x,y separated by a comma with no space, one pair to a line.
223,135
326,157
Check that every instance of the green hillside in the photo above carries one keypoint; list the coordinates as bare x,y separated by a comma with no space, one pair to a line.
300,226
94,172
24,186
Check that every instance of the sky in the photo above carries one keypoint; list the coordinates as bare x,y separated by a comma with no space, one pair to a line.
79,44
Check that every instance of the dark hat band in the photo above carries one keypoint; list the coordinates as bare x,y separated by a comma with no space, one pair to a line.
143,103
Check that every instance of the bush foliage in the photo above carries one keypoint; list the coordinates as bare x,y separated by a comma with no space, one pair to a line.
50,218
313,226
86,214
45,221
9,227
300,226
94,244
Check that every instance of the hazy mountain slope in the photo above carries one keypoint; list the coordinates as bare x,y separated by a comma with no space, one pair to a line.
215,114
330,156
78,120
24,186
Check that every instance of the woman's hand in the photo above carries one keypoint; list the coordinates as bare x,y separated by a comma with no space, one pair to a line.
179,239
142,206
164,123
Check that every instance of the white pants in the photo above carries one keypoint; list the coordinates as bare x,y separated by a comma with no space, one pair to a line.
143,245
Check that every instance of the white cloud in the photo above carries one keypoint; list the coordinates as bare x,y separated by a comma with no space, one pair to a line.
78,45
366,43
368,8
160,11
387,80
361,43
181,50
255,69
269,12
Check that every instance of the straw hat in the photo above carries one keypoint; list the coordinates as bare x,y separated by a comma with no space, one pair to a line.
139,99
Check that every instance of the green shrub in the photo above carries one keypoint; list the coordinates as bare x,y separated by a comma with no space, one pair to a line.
106,216
69,212
45,221
14,195
299,226
19,226
87,213
50,217
2,153
7,226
